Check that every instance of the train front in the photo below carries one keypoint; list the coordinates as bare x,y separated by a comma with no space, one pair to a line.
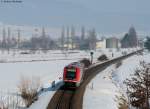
71,76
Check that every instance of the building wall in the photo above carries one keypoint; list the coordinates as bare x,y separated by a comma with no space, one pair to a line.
101,44
112,43
70,46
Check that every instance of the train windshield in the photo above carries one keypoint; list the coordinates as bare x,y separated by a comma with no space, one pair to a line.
71,73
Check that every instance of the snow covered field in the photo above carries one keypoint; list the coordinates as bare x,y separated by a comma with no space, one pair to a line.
47,66
28,56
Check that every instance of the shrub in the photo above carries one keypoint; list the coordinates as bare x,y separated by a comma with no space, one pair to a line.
118,64
28,88
102,58
86,62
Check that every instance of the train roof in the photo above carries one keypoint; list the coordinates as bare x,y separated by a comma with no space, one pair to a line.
75,64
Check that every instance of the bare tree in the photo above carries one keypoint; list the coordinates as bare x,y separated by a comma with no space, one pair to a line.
138,87
82,33
68,35
92,39
4,39
28,87
19,38
8,40
72,36
62,38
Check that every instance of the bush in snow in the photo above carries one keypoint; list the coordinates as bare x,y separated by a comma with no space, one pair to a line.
102,58
86,62
138,87
118,64
28,88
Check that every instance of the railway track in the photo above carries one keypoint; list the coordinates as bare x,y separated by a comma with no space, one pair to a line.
62,99
73,99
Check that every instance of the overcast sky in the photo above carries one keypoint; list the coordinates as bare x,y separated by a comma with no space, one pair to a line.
107,16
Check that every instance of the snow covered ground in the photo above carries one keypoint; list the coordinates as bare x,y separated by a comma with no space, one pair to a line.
102,91
47,66
14,66
48,71
127,69
54,55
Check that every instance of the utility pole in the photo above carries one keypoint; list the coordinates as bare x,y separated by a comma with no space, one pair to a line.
91,53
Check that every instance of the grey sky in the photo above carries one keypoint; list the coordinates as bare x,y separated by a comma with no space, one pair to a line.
107,16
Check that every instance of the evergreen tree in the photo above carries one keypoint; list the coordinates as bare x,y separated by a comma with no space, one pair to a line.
147,43
125,41
132,37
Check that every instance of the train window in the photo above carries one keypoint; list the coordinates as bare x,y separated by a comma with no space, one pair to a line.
71,74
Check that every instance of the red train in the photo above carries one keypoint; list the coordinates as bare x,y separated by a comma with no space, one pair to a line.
73,74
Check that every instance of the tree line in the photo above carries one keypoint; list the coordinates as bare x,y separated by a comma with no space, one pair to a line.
68,40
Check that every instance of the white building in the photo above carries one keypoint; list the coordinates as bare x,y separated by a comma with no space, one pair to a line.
101,44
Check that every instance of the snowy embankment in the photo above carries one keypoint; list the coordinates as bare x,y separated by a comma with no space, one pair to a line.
127,69
102,91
